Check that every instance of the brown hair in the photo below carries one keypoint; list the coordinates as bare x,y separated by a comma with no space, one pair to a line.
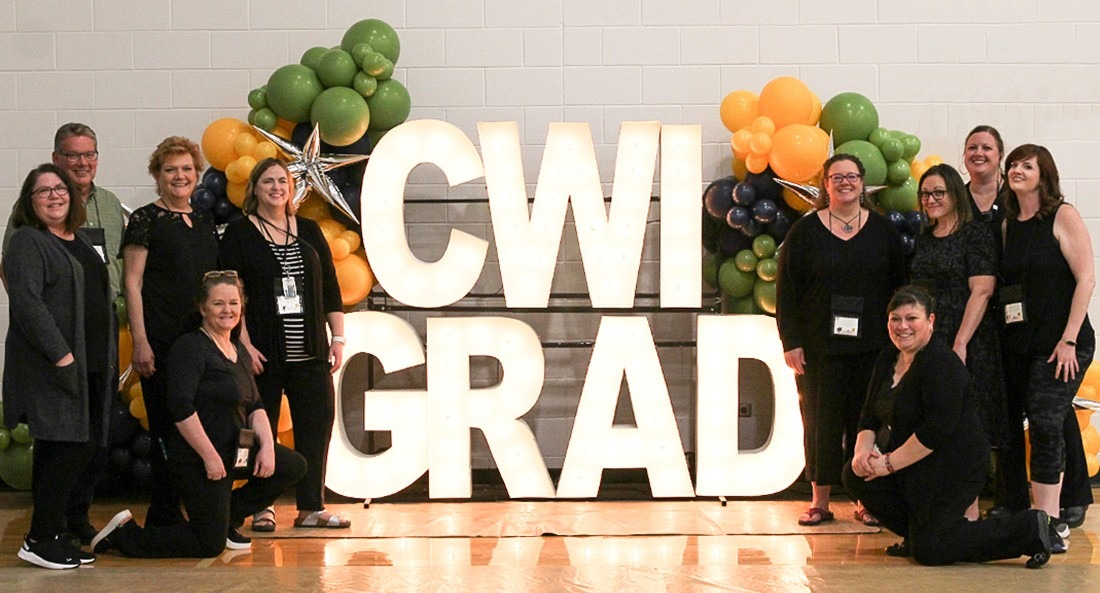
250,199
171,146
24,215
955,187
1050,189
992,132
214,278
69,130
912,295
822,200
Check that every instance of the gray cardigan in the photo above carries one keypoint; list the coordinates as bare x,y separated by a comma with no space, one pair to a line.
46,322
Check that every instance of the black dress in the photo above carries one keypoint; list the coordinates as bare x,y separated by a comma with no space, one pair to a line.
944,265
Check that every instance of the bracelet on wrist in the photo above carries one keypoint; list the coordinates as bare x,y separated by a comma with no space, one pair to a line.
1070,343
339,340
886,461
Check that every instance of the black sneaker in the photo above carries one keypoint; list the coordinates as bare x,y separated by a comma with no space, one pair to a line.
1061,528
1057,544
1074,516
83,533
79,554
48,553
1042,555
102,540
235,540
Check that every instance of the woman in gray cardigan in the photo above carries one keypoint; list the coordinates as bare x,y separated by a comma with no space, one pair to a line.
59,354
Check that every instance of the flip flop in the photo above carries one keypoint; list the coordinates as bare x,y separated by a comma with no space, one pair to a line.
322,519
264,521
865,517
815,516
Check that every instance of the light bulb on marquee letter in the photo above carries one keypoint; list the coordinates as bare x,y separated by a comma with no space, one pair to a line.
404,276
681,225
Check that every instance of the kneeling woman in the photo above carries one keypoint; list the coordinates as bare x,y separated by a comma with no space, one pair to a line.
211,397
921,454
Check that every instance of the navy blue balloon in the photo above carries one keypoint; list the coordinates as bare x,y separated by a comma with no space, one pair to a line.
915,221
203,199
123,424
744,194
752,229
301,133
765,185
898,220
737,217
215,181
764,211
718,197
120,458
908,243
711,229
222,209
142,470
142,445
780,226
731,241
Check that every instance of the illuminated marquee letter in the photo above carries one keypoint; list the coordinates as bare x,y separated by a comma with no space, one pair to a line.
624,345
404,276
455,408
404,413
610,242
681,225
721,469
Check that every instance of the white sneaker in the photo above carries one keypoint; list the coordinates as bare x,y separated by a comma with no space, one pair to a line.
47,553
101,537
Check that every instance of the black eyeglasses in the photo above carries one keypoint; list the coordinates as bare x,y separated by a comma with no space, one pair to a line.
74,157
936,195
43,193
214,274
849,177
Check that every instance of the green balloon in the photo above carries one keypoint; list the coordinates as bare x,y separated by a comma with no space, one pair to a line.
364,84
375,136
16,464
849,116
21,434
912,147
360,51
265,119
257,98
892,149
745,260
733,281
902,198
878,135
711,263
763,246
291,91
312,57
336,68
377,34
897,172
763,293
871,158
374,63
740,306
387,71
341,114
767,269
389,106
5,434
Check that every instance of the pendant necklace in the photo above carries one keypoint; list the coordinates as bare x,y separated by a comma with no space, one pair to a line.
846,225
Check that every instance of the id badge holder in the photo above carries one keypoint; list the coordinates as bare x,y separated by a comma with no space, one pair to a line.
847,313
288,296
1013,305
244,447
98,238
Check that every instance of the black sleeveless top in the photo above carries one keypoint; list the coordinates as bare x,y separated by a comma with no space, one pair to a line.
1034,259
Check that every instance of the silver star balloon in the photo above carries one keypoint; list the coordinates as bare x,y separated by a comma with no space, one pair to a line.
810,193
310,169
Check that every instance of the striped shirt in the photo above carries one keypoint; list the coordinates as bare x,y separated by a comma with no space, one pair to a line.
294,326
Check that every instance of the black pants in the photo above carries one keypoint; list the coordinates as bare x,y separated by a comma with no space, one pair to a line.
164,499
212,508
937,531
76,511
831,395
57,468
309,391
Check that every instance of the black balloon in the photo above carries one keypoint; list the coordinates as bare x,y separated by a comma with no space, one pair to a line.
711,229
915,221
898,220
752,228
215,181
142,445
765,185
718,197
744,194
779,227
123,424
142,469
222,209
909,243
203,199
737,217
120,458
731,241
764,211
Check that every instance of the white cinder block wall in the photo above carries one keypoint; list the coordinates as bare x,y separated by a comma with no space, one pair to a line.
138,71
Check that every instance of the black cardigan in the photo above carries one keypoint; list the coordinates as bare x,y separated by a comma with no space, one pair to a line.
245,249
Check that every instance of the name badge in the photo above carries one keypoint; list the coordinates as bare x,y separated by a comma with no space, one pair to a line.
98,238
1013,304
847,327
242,458
288,298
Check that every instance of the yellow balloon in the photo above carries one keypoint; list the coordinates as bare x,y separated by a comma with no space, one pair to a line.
233,172
1093,464
284,128
265,150
761,143
739,168
738,109
815,113
742,141
756,163
786,100
125,348
137,408
353,239
798,151
795,201
235,192
339,247
1090,438
355,277
245,164
1084,418
763,125
245,144
286,439
933,160
285,421
219,139
330,228
1092,379
314,208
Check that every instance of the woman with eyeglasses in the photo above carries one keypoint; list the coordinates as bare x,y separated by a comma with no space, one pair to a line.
294,294
921,453
837,270
1048,341
166,249
222,434
58,355
956,261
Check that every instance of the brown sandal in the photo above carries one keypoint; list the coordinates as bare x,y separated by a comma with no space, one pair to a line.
815,516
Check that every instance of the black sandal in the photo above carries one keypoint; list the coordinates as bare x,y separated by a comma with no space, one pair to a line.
900,549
